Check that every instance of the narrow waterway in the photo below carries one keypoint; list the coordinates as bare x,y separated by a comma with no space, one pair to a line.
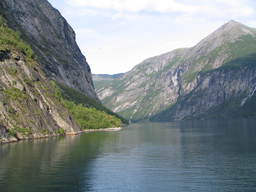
189,156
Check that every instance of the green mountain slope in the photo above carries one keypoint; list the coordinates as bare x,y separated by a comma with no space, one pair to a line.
158,83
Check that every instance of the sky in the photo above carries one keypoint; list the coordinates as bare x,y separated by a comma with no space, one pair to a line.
116,35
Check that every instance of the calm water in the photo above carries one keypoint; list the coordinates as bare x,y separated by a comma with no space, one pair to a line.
175,157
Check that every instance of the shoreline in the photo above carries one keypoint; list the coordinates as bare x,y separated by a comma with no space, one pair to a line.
113,129
22,138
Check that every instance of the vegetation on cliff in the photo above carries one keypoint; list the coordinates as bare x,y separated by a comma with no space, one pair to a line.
31,105
11,40
53,41
87,112
157,84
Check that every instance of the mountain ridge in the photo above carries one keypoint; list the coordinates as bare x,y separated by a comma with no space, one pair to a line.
156,84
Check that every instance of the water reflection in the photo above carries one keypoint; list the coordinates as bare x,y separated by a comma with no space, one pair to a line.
222,152
188,156
50,164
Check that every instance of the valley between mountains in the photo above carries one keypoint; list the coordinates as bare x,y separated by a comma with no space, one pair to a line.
47,89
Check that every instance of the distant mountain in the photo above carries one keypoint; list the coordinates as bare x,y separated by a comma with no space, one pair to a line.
189,83
99,77
102,80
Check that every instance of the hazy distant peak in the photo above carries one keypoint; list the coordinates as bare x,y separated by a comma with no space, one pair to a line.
227,33
234,23
231,25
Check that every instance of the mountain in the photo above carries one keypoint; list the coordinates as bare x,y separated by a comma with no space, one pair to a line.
168,85
104,79
53,40
45,83
226,92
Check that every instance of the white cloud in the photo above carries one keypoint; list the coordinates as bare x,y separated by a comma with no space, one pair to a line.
220,8
115,35
136,5
88,33
214,8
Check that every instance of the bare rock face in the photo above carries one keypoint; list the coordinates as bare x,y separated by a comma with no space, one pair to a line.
227,92
52,39
29,107
159,83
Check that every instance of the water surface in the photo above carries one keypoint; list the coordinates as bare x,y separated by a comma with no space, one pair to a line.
207,156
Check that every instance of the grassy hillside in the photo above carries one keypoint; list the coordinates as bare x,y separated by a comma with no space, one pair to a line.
11,40
87,112
78,99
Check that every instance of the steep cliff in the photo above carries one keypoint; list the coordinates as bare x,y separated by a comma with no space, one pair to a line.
53,40
36,104
29,107
227,92
158,83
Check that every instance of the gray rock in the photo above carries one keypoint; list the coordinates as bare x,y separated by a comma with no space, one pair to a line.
52,39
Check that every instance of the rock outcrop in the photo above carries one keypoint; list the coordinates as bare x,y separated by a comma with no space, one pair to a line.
29,107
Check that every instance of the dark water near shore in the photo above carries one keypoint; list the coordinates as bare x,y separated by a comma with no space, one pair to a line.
190,156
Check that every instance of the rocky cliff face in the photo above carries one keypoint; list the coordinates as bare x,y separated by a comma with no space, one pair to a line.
227,92
158,83
28,105
45,82
52,39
